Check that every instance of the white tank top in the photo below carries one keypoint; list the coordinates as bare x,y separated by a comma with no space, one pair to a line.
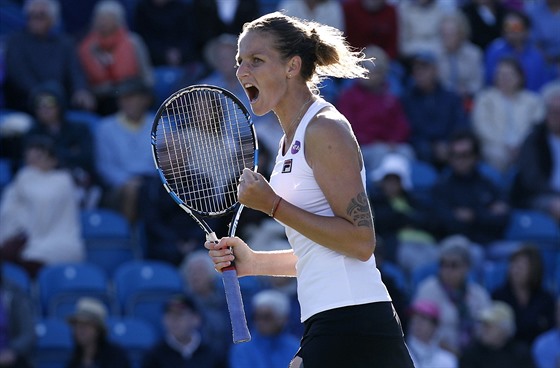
326,279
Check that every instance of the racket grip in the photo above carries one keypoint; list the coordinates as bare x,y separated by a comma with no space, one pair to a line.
235,306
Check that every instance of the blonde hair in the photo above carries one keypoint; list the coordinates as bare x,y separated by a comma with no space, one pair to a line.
323,49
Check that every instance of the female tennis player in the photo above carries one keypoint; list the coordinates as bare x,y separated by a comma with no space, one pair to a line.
317,191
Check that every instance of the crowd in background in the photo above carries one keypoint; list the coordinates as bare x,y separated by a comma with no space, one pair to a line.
465,91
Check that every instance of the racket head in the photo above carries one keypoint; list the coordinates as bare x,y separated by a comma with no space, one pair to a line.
202,138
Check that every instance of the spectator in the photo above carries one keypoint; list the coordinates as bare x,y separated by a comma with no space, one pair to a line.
203,285
515,42
494,346
537,182
41,54
503,115
182,345
73,140
111,54
170,233
92,347
422,339
464,200
458,298
166,26
372,22
434,113
403,221
39,212
418,26
460,62
224,16
545,16
327,12
485,18
123,152
17,329
523,290
376,115
271,346
545,348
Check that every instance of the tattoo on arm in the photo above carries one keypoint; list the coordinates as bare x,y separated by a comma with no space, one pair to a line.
359,211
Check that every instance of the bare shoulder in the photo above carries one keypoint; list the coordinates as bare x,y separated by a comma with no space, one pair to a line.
329,137
330,126
329,121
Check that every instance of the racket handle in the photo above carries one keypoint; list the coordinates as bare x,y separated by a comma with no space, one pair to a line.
234,301
235,306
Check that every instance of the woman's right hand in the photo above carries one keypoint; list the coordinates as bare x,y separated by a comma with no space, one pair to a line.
229,249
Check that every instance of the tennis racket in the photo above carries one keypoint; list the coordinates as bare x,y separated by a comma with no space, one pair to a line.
202,139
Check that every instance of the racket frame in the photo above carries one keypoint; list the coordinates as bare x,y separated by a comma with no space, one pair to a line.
230,279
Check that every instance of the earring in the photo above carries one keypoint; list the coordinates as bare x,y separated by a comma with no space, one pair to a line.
289,76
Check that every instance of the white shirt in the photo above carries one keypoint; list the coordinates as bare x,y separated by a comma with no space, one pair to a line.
326,279
430,355
44,205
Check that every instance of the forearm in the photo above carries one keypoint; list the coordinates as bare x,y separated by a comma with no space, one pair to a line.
335,233
275,263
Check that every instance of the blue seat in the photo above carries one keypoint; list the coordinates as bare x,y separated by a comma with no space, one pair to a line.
89,119
421,273
60,287
423,175
5,172
396,273
494,274
534,226
135,335
54,343
101,223
143,286
108,238
166,81
17,275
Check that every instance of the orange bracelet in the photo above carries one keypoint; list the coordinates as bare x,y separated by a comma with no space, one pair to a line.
275,206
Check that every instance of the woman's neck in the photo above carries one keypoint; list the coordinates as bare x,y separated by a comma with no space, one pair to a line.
291,116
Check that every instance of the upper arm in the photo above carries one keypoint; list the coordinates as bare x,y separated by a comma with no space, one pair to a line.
334,156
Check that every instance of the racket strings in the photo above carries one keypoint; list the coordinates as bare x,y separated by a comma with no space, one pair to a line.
204,141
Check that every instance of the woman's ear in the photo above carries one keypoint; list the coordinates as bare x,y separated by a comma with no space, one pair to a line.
294,66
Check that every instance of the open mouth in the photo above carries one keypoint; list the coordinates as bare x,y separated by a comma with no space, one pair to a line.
252,92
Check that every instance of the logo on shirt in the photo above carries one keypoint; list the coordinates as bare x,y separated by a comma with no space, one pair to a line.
287,167
296,147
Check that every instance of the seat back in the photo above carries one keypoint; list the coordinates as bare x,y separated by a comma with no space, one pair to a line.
60,287
17,275
135,335
54,343
108,238
142,287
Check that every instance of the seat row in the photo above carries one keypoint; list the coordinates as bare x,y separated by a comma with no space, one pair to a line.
138,288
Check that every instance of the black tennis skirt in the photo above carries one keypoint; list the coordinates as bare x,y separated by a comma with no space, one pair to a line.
360,336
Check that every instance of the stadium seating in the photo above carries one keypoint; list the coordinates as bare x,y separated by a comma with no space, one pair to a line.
108,238
17,275
534,226
135,335
142,286
54,343
60,286
90,119
166,80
